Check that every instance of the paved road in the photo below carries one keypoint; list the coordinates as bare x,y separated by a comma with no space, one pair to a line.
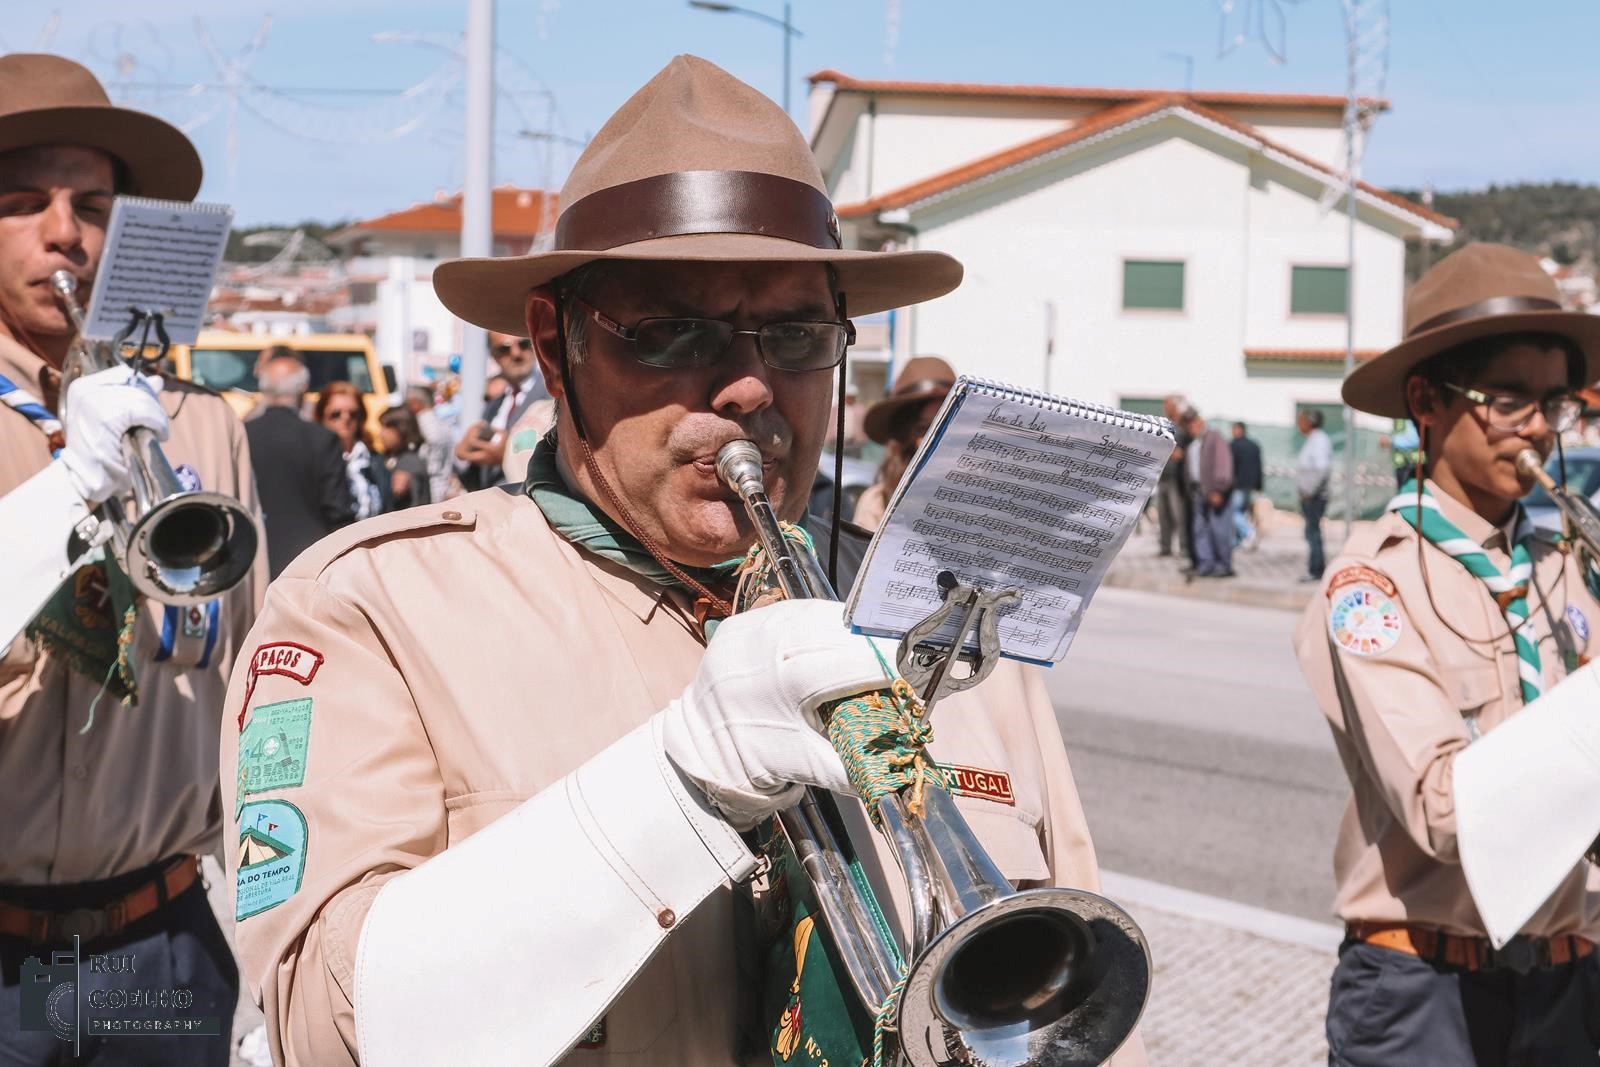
1200,757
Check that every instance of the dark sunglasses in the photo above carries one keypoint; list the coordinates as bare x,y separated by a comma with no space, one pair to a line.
504,348
341,414
686,342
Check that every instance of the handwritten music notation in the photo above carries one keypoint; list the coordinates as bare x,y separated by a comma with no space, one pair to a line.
1011,489
159,256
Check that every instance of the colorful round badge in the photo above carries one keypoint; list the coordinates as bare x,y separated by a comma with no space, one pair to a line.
1364,620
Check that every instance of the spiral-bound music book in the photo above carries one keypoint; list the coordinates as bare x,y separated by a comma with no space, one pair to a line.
160,255
1011,488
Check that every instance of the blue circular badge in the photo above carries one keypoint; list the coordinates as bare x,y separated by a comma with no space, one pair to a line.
1580,625
188,477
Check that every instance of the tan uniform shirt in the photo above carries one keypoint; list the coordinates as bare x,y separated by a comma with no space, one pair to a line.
870,506
460,658
1404,692
141,784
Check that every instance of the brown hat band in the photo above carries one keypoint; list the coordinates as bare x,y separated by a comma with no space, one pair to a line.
699,201
1495,305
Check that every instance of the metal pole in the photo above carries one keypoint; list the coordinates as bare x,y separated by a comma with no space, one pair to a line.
1350,338
477,192
788,33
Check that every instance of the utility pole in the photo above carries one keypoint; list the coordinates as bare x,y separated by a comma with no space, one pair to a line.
477,224
786,25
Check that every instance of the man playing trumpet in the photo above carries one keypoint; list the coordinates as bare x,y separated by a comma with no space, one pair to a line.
1439,626
107,806
518,833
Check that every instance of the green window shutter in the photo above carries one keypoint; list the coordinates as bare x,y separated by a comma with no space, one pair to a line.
1316,290
1143,405
1149,283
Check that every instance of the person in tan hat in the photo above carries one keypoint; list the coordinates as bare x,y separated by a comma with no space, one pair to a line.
1447,621
538,743
109,703
898,422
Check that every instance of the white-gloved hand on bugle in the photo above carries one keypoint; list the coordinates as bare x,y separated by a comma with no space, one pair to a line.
100,409
747,729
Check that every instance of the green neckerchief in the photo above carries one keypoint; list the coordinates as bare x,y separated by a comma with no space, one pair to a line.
89,622
580,522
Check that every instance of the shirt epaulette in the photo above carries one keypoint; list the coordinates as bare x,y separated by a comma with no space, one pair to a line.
446,514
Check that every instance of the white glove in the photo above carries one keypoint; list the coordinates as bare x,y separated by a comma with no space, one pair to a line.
747,729
101,408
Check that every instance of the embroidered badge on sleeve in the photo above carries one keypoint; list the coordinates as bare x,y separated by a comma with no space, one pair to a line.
1364,619
272,855
272,748
977,782
279,657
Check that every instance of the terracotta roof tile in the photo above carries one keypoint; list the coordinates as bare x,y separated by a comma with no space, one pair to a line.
1101,122
1079,94
515,212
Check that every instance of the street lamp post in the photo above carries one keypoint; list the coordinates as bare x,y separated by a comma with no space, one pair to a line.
789,32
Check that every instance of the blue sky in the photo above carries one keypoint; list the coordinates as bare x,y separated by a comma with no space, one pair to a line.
1483,91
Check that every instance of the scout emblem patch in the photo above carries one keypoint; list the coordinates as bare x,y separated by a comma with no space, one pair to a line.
272,748
1580,624
1364,620
279,657
977,782
272,855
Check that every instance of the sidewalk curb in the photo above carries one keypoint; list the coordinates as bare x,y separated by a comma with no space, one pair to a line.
1126,889
1226,590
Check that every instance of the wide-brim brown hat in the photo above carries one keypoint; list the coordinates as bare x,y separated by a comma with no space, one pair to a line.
50,100
922,379
695,167
1481,291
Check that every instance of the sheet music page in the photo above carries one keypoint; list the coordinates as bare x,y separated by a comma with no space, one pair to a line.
1005,492
160,255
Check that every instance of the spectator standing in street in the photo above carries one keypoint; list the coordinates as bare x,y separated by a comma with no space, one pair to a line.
1247,482
898,422
299,465
1312,470
435,449
1172,494
341,410
408,474
483,446
1209,469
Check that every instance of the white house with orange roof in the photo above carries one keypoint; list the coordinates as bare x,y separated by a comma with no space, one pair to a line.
390,272
1122,244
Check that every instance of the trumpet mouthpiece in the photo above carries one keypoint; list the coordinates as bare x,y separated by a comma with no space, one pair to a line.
739,466
63,282
1529,463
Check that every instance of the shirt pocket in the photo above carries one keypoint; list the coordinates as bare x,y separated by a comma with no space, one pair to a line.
1479,690
1010,836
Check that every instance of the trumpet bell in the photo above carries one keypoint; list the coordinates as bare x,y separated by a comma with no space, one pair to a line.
1039,978
190,548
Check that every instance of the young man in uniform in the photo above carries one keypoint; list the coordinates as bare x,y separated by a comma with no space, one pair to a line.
107,806
516,825
1438,623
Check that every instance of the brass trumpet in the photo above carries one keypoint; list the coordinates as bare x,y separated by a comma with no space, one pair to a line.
180,546
998,977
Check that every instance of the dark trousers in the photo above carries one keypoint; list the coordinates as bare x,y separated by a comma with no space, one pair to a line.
1312,508
1389,1009
1172,515
1213,537
176,947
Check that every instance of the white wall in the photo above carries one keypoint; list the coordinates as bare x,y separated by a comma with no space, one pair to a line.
912,138
1060,232
1315,133
405,304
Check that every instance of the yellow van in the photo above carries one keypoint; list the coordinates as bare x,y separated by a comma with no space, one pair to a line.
226,362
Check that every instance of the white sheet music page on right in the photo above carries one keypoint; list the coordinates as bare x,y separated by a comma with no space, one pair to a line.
1011,488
